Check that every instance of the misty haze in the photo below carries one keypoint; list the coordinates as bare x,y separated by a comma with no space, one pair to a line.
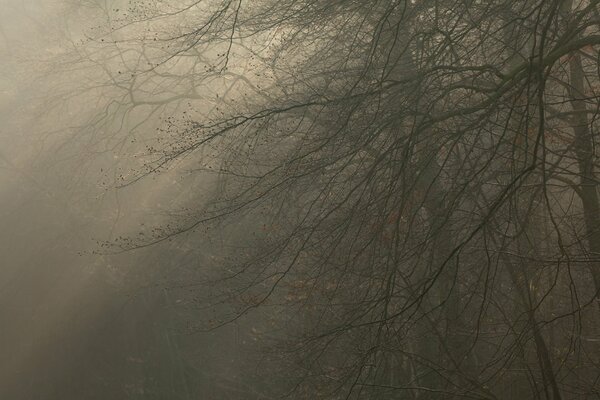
299,199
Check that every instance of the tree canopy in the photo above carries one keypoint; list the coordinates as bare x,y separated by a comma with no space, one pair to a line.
408,189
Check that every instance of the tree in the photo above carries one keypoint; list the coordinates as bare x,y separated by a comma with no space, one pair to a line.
420,176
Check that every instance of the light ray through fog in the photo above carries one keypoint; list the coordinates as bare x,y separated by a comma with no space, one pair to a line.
305,199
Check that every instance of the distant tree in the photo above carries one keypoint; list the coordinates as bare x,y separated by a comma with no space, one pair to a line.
414,181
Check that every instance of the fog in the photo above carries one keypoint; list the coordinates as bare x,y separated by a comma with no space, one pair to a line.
305,199
75,321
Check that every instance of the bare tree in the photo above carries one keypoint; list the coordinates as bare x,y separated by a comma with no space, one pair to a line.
414,179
